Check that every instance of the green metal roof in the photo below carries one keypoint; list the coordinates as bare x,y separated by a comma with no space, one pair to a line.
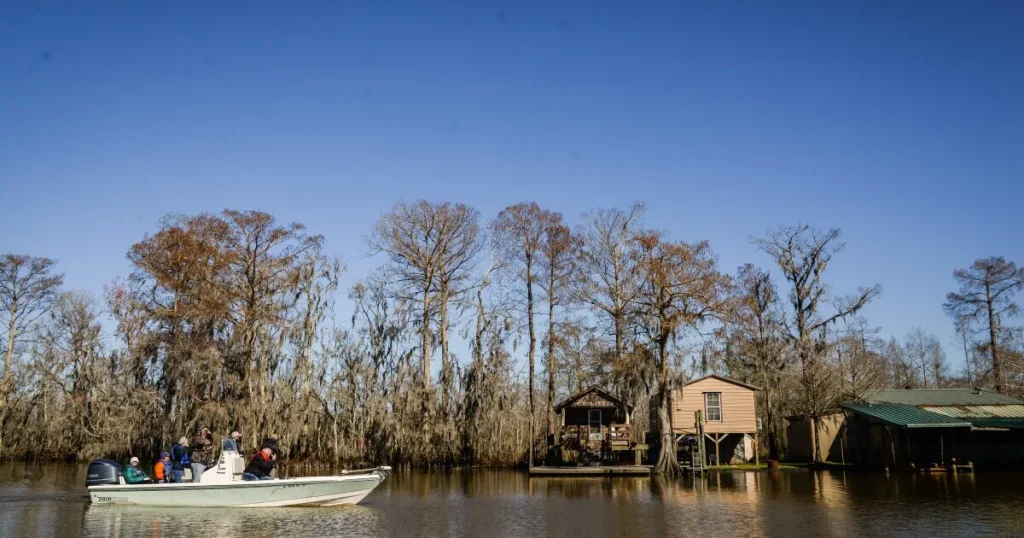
940,397
906,416
1007,423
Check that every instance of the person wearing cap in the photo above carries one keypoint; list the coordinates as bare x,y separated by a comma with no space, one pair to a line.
179,460
262,463
202,451
162,469
237,439
133,474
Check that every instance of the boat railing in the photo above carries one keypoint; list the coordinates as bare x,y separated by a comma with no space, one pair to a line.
384,471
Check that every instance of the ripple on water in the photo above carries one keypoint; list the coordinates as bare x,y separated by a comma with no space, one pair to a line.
48,500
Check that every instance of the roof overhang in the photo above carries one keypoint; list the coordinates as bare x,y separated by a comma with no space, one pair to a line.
904,416
725,379
612,400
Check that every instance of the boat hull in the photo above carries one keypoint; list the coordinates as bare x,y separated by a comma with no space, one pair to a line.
318,491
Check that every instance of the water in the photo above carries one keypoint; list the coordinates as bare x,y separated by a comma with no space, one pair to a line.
50,500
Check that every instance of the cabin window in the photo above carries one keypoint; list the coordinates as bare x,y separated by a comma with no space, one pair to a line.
594,421
713,406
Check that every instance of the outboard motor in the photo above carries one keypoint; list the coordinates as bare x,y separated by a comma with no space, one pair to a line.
103,472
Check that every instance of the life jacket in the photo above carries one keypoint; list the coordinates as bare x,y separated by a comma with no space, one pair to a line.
184,461
160,470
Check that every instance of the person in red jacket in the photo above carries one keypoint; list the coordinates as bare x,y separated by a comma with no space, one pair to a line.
262,462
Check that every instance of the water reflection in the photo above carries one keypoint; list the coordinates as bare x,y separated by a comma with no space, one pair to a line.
48,500
161,522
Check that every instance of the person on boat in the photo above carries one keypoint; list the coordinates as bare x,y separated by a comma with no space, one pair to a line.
236,438
133,474
179,460
162,469
262,463
202,451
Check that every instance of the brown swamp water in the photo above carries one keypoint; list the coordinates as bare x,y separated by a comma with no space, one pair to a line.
50,500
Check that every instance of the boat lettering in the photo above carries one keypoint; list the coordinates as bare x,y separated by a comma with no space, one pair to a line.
111,499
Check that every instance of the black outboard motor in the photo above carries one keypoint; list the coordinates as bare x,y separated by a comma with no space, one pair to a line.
103,472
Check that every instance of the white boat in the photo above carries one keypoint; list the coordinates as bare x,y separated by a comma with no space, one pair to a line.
222,486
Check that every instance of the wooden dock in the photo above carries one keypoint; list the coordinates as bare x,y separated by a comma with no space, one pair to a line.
602,470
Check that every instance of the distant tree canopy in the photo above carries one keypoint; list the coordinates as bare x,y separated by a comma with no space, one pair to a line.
985,303
235,321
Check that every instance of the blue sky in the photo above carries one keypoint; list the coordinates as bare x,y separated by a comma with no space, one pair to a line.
901,123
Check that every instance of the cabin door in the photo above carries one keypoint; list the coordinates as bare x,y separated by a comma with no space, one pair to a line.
594,422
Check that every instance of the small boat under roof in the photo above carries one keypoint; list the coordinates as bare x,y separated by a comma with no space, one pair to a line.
222,486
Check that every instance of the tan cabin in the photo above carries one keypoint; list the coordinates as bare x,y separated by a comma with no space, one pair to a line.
730,417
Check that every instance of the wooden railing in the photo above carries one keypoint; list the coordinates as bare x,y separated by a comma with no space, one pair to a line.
616,435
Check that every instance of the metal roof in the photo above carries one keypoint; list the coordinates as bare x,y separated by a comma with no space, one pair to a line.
906,416
998,423
941,397
978,411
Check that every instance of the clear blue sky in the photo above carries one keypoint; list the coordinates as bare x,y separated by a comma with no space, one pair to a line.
900,122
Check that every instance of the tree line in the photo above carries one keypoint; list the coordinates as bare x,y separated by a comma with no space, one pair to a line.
232,320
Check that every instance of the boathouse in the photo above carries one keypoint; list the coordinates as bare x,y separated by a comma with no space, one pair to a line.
923,428
594,427
729,412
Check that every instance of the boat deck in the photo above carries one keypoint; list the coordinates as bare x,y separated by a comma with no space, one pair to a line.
603,470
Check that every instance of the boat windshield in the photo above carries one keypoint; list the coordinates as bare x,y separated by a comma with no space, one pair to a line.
229,445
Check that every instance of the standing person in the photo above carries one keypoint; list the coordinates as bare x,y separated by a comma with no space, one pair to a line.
133,474
162,469
179,460
262,463
202,451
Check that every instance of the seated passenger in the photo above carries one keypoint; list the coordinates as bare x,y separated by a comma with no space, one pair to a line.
262,462
162,469
237,439
133,474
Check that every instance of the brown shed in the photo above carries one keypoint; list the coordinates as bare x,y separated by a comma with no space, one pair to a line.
595,424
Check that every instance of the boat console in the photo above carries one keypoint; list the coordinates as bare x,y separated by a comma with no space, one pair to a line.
229,466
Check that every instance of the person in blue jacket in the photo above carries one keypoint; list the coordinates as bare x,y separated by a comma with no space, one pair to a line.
179,460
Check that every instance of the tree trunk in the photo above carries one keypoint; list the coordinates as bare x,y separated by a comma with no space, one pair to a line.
445,367
9,356
478,342
5,381
618,335
814,441
425,343
551,360
667,462
579,373
532,351
769,418
997,368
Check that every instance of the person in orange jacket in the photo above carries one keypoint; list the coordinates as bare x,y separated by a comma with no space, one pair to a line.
162,469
